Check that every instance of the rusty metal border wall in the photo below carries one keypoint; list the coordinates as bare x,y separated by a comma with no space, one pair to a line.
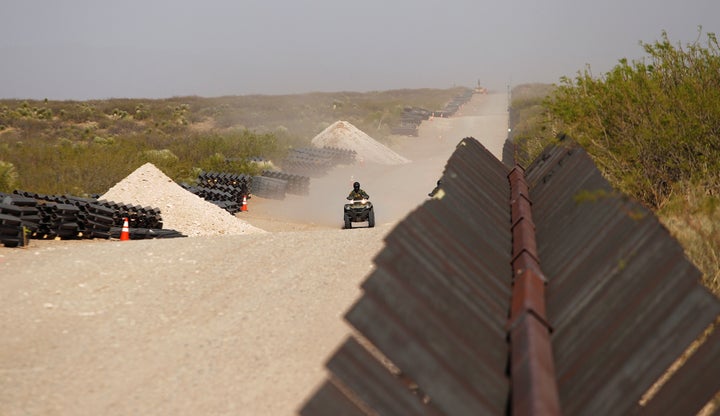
623,299
437,304
532,367
607,286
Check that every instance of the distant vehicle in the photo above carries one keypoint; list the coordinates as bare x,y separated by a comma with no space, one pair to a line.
358,211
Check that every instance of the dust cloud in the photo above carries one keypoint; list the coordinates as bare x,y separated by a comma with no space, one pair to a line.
396,190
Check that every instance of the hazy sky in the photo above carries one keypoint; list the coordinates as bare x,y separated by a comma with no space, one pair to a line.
83,49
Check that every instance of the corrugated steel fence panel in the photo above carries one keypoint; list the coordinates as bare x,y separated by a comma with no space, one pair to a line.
622,298
438,301
622,301
686,391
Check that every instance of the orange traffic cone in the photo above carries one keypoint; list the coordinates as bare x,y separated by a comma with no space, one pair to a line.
244,205
125,233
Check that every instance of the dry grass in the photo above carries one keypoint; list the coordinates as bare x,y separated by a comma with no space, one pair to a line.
692,216
699,235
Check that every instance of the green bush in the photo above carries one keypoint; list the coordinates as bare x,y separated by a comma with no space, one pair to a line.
8,177
653,128
651,124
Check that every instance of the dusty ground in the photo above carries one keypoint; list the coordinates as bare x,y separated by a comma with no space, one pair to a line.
237,325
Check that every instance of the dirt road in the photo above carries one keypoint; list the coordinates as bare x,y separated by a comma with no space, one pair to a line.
237,325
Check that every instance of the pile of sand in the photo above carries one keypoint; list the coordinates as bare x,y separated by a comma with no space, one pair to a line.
180,210
346,136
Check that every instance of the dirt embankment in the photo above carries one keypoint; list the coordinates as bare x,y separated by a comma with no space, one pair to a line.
212,325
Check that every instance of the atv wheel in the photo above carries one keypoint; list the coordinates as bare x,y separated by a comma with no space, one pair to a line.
371,218
348,224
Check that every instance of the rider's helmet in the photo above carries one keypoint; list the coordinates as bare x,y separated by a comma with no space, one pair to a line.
356,186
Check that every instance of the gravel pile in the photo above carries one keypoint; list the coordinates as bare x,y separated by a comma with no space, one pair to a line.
181,210
346,136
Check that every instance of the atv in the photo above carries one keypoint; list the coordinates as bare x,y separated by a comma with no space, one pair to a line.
359,211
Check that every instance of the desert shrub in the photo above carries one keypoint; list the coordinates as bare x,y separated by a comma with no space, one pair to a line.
8,177
651,124
100,140
215,162
140,113
528,116
80,113
159,156
125,126
118,114
653,129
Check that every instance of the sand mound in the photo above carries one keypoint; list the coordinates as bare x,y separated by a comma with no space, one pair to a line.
181,210
344,135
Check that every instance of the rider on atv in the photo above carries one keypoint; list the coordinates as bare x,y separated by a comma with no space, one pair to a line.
357,194
359,209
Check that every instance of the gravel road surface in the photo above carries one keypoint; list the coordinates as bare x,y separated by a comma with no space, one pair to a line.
229,325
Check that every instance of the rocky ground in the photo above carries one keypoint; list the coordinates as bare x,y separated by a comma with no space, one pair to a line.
211,325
